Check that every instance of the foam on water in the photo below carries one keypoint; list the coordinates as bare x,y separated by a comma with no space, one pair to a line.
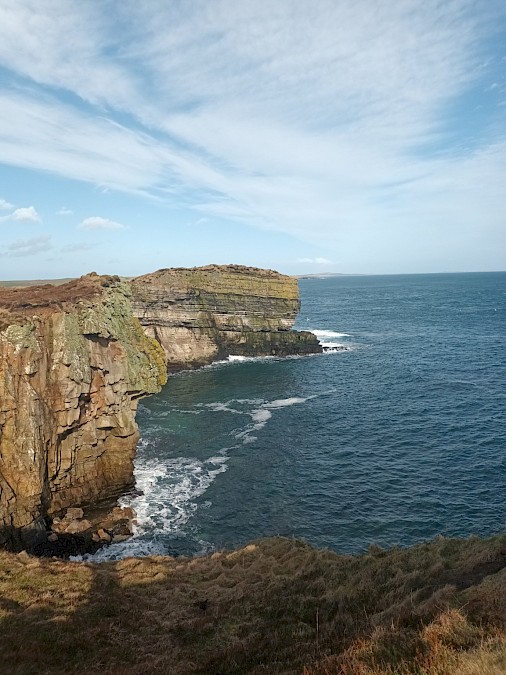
168,489
284,402
328,334
165,501
327,339
397,447
261,415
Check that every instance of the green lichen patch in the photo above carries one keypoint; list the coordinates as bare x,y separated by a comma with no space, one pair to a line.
21,336
112,318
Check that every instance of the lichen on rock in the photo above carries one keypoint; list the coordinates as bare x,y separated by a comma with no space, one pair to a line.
203,314
76,358
72,367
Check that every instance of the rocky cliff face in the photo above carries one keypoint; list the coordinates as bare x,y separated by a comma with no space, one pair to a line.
75,359
203,314
73,363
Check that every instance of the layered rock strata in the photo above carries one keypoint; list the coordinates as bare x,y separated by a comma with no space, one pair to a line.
73,363
204,314
75,359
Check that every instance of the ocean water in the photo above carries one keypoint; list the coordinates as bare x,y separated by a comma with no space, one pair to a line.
397,437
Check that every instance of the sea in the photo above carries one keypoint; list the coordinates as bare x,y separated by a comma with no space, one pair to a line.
396,434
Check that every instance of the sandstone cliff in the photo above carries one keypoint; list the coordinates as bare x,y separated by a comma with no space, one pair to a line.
203,314
75,359
73,362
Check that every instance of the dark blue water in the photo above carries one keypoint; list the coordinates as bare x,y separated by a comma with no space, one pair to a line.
400,438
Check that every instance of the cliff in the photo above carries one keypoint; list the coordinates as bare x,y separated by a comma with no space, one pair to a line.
75,359
73,363
204,314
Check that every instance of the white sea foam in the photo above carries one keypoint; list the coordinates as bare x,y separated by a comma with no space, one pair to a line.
334,346
284,402
260,415
329,334
168,489
218,406
234,358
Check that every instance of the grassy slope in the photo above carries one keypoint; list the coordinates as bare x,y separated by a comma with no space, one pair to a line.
278,606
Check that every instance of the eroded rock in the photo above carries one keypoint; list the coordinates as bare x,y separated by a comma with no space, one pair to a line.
76,358
204,314
73,363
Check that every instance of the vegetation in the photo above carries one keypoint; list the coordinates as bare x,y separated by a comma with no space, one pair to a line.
276,606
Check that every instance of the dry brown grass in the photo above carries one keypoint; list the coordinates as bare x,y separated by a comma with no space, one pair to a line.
277,606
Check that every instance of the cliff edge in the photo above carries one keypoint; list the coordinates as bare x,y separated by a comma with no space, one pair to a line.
73,363
75,358
204,314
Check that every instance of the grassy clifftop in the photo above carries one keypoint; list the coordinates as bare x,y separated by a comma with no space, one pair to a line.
276,606
226,279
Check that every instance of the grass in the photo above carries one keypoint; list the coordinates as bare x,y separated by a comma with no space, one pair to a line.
276,606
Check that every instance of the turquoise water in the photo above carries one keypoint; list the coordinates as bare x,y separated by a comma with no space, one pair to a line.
398,438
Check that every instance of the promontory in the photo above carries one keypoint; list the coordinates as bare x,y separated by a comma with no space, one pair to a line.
76,358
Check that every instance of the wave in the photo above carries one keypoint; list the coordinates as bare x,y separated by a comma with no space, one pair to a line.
328,334
335,347
234,358
168,489
284,402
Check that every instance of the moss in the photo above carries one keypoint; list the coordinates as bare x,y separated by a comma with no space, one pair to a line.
21,336
69,340
113,318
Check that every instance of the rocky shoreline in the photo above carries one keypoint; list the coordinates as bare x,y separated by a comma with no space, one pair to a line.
79,531
76,358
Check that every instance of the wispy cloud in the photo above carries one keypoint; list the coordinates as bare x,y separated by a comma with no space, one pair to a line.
99,223
27,247
77,247
5,205
316,261
347,140
64,211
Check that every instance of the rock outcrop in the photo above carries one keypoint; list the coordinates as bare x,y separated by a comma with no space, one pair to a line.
73,363
204,314
75,359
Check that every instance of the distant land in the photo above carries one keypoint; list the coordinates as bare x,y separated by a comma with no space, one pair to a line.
325,275
19,283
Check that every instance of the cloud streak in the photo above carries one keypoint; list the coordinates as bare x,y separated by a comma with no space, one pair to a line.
315,261
328,121
28,247
99,223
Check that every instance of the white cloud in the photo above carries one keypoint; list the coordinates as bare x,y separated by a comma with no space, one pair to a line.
99,223
316,261
27,213
315,119
64,211
43,134
27,247
5,205
23,215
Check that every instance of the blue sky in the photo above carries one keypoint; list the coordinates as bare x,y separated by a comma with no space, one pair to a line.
325,136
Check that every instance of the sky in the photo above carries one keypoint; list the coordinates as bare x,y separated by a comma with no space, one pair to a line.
309,137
